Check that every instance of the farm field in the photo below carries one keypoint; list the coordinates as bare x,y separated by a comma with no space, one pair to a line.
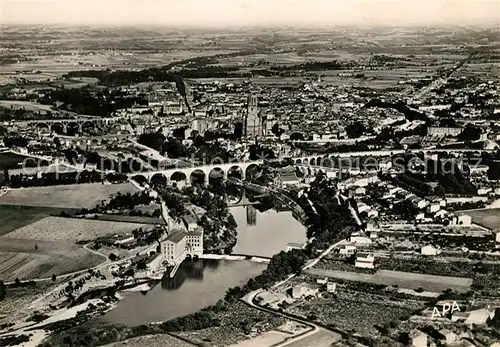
349,311
406,280
160,340
130,219
27,266
321,338
489,218
65,196
71,229
15,216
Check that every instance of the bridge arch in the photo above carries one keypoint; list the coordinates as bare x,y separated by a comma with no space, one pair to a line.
312,162
42,125
158,179
305,161
250,168
141,179
298,162
198,176
73,127
87,125
178,177
216,175
236,171
58,128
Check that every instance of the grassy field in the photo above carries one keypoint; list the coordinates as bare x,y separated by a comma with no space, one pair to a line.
489,218
14,217
65,196
71,229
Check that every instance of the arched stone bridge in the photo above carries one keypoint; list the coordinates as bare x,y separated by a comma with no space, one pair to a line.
167,175
330,160
63,124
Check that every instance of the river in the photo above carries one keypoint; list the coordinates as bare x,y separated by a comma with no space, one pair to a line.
202,283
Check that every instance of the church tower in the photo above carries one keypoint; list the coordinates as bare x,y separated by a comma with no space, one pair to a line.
253,123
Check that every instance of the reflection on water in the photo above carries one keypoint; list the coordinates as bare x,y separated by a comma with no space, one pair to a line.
189,269
270,234
197,284
201,283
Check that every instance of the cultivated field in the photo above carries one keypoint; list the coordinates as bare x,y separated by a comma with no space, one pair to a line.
65,196
321,338
160,340
407,280
489,218
71,229
15,216
27,266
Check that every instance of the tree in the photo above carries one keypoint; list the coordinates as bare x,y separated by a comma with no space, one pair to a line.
355,130
277,130
470,133
17,282
2,290
54,278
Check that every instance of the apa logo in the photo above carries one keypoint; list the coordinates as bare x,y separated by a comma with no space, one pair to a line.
447,307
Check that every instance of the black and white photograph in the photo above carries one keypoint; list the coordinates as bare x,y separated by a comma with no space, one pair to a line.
250,173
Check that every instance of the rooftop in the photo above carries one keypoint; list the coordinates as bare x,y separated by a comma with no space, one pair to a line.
175,236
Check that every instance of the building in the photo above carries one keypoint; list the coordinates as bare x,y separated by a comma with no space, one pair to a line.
464,220
417,338
292,245
429,250
448,336
443,131
173,247
331,287
252,122
190,221
302,290
194,242
347,249
200,125
480,316
365,260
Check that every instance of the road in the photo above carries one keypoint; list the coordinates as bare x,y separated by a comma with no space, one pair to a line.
316,337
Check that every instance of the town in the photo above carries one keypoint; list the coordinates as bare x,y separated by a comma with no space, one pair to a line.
329,187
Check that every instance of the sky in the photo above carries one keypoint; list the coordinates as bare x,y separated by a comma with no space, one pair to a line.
250,12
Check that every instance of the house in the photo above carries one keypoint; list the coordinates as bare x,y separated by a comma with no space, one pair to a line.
303,290
429,250
480,316
464,220
190,221
194,242
497,236
448,336
322,281
417,338
359,239
331,287
292,245
365,260
433,207
347,249
440,214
